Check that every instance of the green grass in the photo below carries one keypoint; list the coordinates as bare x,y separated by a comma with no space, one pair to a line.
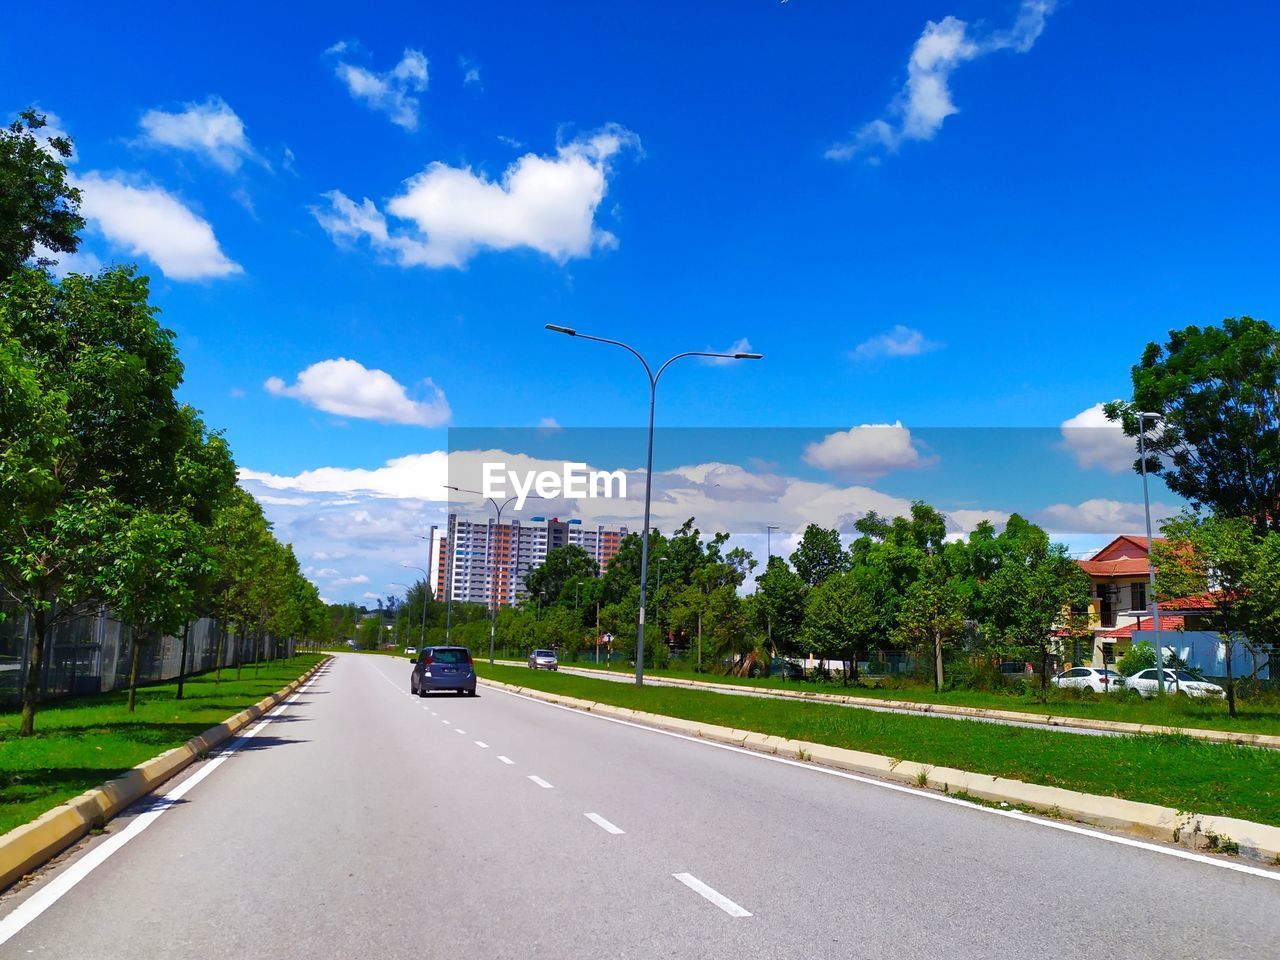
1170,770
1254,715
83,742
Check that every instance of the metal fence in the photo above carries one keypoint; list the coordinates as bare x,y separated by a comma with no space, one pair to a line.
90,653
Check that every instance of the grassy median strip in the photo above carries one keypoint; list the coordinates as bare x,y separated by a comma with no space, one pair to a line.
1169,770
1258,715
84,742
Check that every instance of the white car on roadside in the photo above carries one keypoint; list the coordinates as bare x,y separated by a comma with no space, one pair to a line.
1091,678
1175,681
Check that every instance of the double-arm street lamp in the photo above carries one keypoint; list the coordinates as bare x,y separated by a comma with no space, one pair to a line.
648,469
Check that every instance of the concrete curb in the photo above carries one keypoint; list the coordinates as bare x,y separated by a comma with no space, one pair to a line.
26,847
1267,741
1257,841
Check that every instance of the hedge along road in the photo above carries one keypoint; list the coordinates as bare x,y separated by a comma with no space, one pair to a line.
535,831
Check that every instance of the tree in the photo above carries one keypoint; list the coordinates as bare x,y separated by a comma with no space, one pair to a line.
1036,597
933,611
1218,390
781,603
1225,555
818,555
102,374
152,567
562,569
843,614
38,206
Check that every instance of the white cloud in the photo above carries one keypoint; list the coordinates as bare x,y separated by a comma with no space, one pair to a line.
470,72
349,581
391,92
1102,516
1097,442
210,129
416,476
347,388
149,221
901,341
925,101
546,204
741,345
871,449
549,425
82,261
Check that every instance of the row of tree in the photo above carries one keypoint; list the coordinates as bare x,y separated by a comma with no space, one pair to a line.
112,491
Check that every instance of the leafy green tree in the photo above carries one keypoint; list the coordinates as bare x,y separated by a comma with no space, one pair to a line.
842,615
1218,390
932,613
1036,597
563,568
781,603
150,577
38,205
1242,568
818,555
102,373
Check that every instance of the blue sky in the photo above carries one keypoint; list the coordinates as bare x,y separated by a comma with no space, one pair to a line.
984,239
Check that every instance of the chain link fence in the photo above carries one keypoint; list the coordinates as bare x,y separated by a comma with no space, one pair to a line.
91,652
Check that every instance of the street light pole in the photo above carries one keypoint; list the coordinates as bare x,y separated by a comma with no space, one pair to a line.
1151,568
648,468
422,634
768,540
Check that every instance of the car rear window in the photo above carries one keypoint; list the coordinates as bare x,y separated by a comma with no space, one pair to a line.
454,655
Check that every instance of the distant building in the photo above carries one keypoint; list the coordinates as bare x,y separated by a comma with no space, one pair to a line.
479,561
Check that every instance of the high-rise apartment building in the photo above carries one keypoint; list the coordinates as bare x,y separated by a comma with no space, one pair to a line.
480,561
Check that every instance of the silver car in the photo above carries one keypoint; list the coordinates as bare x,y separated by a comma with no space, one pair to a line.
543,660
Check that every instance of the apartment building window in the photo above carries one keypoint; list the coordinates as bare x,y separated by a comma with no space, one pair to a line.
1138,596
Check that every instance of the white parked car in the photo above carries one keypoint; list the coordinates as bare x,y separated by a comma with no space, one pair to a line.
410,652
1093,678
1175,681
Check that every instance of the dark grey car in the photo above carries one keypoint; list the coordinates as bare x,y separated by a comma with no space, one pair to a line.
443,668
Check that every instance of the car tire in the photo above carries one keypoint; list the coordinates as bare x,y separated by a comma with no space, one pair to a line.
471,692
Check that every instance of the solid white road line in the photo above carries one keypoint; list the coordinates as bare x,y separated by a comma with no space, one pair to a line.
62,884
926,794
603,824
482,745
719,899
506,760
540,782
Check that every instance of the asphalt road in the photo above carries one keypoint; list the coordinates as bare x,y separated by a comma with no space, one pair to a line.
363,822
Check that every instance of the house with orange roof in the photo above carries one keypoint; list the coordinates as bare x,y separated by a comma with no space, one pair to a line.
1120,574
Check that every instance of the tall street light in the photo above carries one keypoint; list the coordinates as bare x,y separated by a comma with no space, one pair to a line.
407,589
497,521
648,469
1143,417
422,634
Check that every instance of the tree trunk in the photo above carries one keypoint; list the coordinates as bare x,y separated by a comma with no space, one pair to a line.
1044,674
239,648
217,663
257,652
182,664
134,659
937,661
35,665
699,641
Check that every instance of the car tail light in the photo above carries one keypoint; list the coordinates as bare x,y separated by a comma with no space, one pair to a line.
429,660
1104,679
469,660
